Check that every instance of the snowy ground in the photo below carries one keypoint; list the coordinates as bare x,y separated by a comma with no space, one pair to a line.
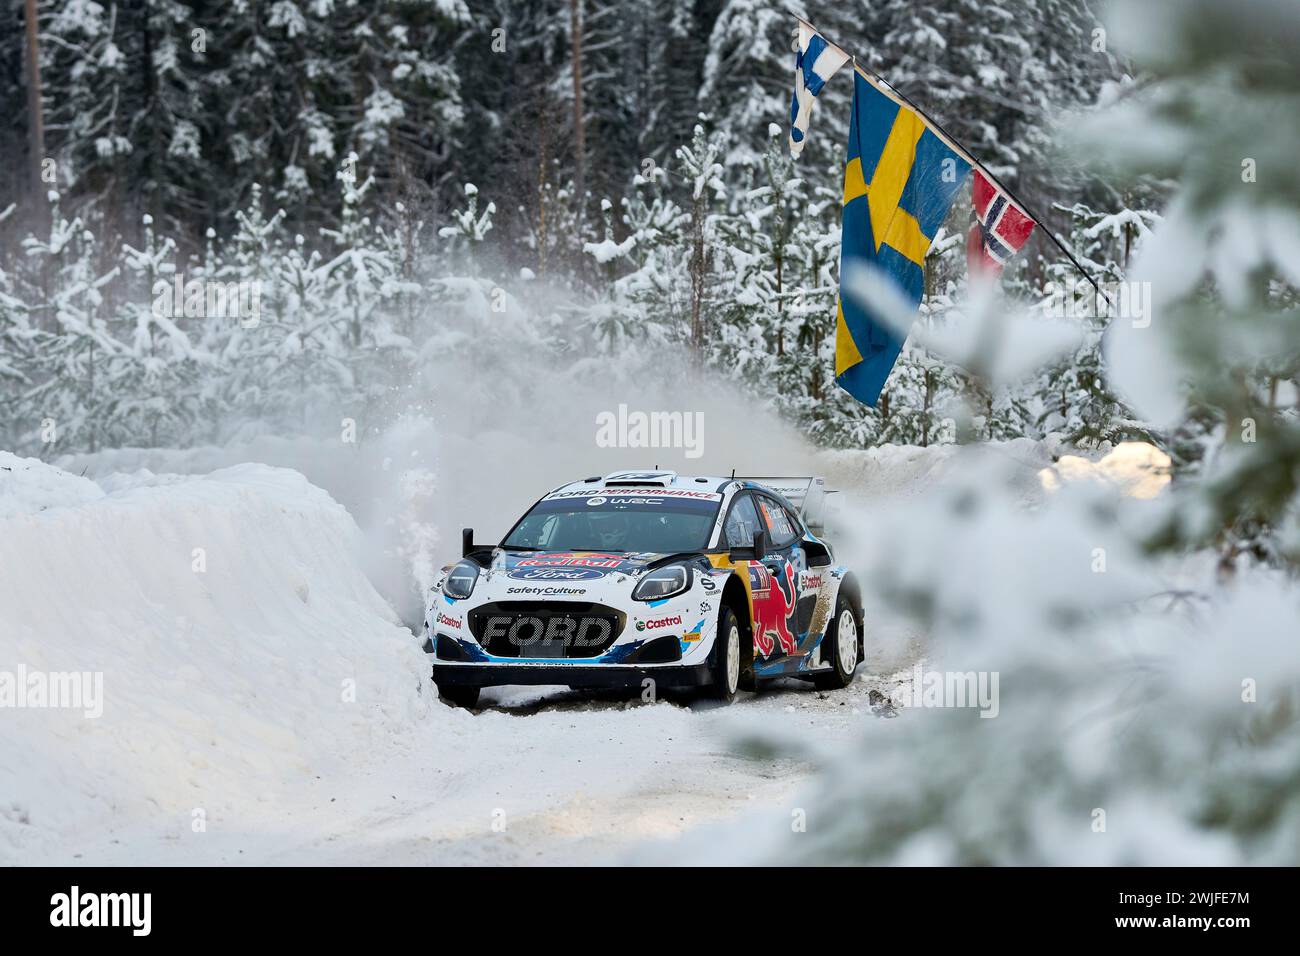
269,708
532,779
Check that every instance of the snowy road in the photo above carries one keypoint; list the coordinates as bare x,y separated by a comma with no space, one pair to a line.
552,776
576,780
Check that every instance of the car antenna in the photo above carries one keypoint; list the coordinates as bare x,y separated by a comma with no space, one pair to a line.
733,474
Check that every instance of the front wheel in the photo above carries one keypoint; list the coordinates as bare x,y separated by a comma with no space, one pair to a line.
841,644
726,658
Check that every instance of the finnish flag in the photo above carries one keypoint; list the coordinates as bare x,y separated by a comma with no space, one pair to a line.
816,61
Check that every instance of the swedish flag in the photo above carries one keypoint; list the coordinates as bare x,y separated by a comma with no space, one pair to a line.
899,182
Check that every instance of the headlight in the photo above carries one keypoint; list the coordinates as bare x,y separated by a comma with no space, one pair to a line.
461,580
662,583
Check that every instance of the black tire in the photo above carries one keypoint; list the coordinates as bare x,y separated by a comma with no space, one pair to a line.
458,695
726,663
844,661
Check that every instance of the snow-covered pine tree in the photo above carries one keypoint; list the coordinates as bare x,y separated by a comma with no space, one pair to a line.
755,331
611,325
468,231
651,297
126,110
287,106
15,330
1223,266
996,74
1073,396
63,359
700,175
748,72
1122,699
362,285
154,384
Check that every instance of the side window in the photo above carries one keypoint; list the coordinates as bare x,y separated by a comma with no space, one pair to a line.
779,529
794,523
741,524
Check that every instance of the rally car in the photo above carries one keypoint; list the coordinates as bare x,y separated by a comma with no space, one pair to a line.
649,579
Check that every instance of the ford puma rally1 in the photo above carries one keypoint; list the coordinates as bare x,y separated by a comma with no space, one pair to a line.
650,579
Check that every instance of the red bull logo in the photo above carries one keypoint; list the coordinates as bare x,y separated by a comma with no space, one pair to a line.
773,602
572,561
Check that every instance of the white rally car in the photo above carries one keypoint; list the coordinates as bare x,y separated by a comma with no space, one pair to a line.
649,576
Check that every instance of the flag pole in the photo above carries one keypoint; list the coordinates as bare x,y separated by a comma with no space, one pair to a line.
966,153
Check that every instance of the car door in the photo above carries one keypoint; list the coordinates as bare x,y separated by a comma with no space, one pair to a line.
811,574
776,598
765,596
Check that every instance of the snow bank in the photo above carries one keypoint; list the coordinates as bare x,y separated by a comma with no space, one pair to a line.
28,485
238,646
380,482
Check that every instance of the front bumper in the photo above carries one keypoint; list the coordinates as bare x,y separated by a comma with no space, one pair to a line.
575,675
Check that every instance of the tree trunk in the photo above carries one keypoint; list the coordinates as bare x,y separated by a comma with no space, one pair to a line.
36,119
697,282
929,403
780,317
543,161
153,149
579,124
90,400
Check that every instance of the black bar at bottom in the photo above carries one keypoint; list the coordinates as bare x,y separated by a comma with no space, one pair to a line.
499,907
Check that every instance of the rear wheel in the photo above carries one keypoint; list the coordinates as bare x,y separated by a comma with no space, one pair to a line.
840,649
458,695
726,658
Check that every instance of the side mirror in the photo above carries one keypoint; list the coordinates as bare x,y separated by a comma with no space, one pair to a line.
466,542
757,553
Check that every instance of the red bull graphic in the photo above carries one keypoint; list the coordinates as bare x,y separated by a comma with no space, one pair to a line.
571,559
774,599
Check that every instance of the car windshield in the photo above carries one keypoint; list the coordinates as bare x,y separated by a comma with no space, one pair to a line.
619,519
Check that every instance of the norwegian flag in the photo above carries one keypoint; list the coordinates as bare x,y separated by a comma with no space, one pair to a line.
998,228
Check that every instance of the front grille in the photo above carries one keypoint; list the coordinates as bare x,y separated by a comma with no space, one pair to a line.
560,629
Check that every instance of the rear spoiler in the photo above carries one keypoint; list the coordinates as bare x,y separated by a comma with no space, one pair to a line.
808,494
